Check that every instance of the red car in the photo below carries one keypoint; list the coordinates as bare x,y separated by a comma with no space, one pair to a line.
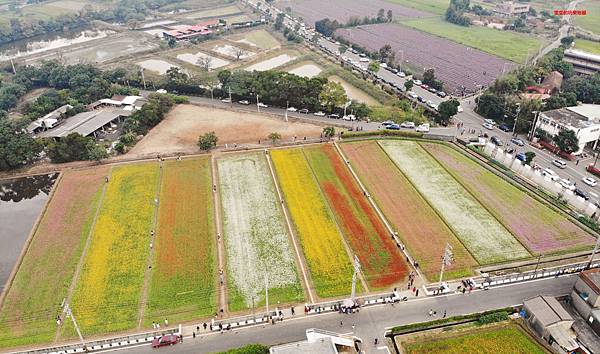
169,339
425,86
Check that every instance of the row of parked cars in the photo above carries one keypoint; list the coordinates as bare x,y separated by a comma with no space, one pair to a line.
407,125
293,109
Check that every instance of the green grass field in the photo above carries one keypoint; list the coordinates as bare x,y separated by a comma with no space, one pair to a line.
109,288
591,21
587,46
505,339
183,282
434,6
262,39
504,44
45,10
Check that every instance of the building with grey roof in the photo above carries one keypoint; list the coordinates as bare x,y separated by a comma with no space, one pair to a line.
86,123
583,62
584,120
318,342
551,322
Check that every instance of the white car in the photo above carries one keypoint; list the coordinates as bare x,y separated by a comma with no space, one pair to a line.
260,104
409,125
244,102
364,60
226,100
417,82
487,125
319,114
490,121
424,128
161,91
430,104
460,109
550,174
589,181
401,74
349,117
412,94
565,183
292,109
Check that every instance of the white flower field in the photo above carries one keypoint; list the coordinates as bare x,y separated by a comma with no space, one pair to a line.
486,239
254,232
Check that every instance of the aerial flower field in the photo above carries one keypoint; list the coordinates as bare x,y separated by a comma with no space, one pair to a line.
256,240
486,239
540,228
381,260
29,311
184,275
329,264
419,227
109,288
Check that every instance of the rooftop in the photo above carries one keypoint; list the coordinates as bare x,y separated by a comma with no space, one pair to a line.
592,278
583,116
84,123
322,346
547,310
581,54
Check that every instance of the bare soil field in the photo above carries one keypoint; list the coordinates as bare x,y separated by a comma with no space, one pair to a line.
343,10
180,130
455,64
354,93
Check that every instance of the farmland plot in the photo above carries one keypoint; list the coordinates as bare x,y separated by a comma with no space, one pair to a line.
327,259
486,239
540,228
419,227
256,240
183,275
382,262
108,292
455,64
30,307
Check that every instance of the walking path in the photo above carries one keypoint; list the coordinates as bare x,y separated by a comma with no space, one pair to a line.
148,273
299,258
88,241
222,301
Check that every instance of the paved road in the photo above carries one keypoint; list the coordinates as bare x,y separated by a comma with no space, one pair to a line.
574,172
370,322
563,31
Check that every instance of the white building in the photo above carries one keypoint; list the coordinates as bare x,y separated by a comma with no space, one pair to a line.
319,342
584,120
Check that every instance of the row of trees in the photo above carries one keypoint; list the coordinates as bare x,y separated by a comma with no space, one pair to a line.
456,12
327,27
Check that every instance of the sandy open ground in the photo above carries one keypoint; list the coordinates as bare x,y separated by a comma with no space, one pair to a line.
180,130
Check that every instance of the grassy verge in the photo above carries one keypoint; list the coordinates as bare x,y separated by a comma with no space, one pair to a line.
587,46
591,21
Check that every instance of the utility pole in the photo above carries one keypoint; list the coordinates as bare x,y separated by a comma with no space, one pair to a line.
257,106
230,100
356,270
143,78
537,264
13,66
535,118
594,252
287,103
267,292
254,318
447,259
69,313
516,119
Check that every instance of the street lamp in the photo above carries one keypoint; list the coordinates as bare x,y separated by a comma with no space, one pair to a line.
535,118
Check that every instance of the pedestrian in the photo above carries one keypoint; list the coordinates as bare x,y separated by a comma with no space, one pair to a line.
577,162
430,312
293,311
417,293
157,325
353,326
106,179
193,334
434,313
166,322
341,324
198,328
376,341
204,325
444,316
153,325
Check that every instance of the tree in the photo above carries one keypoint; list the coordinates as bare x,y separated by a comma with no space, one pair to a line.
274,137
567,41
359,109
343,48
75,147
529,156
386,54
373,66
408,84
207,141
447,110
204,62
17,148
567,141
333,95
490,106
381,15
390,16
172,42
279,21
95,152
329,132
240,52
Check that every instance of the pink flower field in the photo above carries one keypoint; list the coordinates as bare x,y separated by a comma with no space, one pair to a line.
540,228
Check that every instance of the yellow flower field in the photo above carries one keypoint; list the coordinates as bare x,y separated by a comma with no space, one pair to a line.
330,267
108,291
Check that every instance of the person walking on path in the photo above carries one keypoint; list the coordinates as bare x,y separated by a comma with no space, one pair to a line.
353,326
166,323
376,341
444,316
293,311
430,312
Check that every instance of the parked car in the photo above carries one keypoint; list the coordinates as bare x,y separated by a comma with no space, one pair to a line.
559,163
517,141
565,183
395,71
303,111
401,74
226,100
423,128
589,181
393,127
244,102
292,109
364,60
487,125
409,125
550,174
430,104
420,99
442,94
417,82
349,117
334,116
460,109
490,121
383,65
432,90
521,157
412,94
260,104
424,86
496,141
161,91
581,193
504,127
162,341
387,122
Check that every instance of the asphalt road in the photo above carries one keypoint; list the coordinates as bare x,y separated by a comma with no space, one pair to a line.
370,322
574,172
